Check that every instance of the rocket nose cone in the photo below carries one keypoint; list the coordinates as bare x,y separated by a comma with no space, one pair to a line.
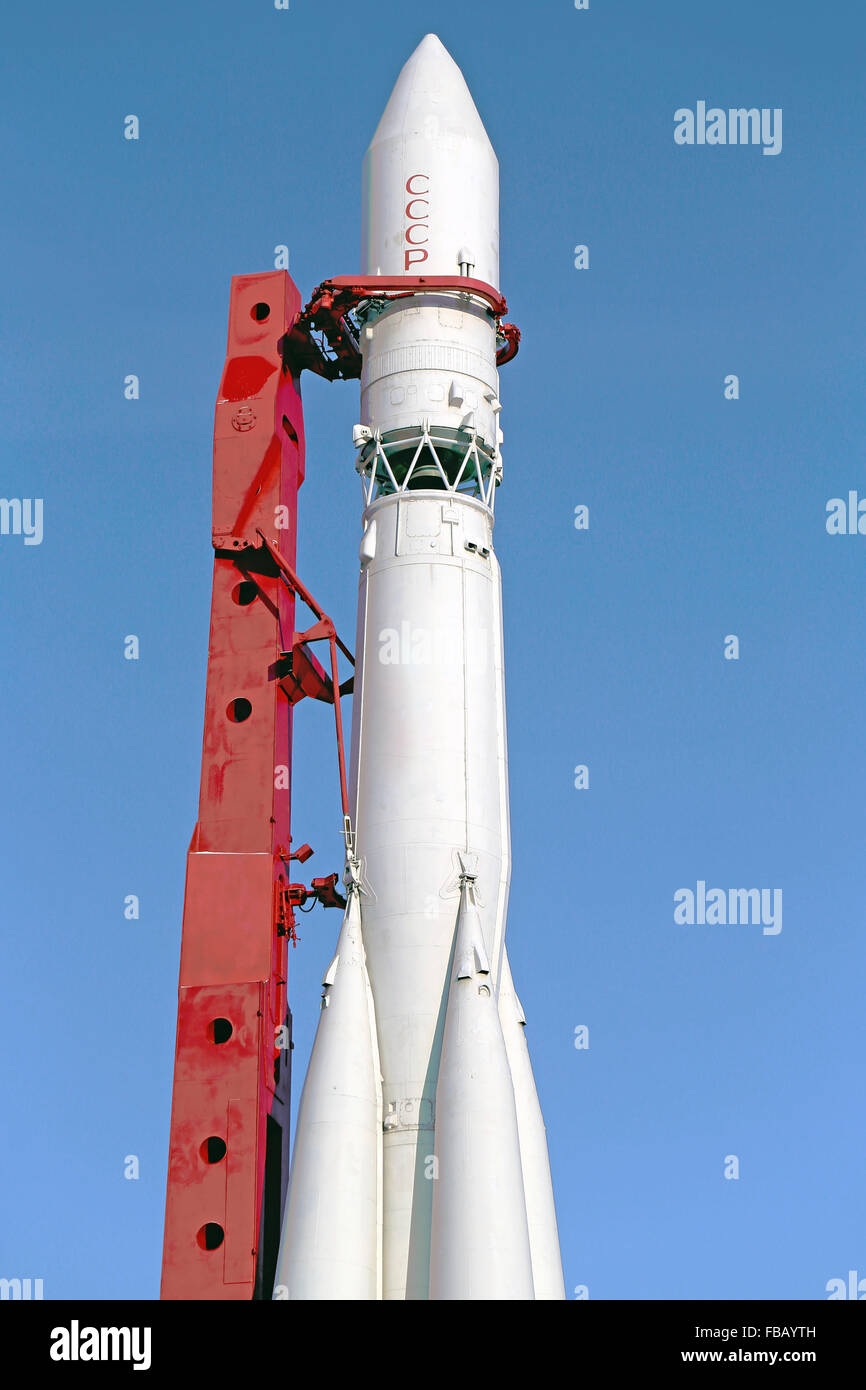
431,52
430,85
432,42
431,177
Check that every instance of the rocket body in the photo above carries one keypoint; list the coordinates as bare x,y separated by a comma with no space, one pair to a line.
465,1203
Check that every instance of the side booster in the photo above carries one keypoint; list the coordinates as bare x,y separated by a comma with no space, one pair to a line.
420,1164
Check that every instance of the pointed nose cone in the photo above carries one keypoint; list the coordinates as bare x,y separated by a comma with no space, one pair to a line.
430,84
431,178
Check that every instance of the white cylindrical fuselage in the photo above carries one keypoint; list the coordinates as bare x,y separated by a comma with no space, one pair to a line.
428,747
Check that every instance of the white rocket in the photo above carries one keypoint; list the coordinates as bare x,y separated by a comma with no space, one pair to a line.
420,1165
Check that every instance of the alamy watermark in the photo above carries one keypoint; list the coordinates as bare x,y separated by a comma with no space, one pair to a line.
736,126
846,517
720,907
22,516
21,1289
409,645
851,1288
77,1343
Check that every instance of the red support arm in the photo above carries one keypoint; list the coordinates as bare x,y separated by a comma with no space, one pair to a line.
334,299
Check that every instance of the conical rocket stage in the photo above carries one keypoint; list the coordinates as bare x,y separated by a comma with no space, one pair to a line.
420,1165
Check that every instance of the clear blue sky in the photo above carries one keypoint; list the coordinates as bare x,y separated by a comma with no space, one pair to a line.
707,518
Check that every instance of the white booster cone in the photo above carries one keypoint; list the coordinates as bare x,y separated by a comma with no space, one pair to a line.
534,1158
475,1253
331,1233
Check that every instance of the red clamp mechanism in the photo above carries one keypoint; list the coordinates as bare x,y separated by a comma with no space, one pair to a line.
336,352
321,890
295,895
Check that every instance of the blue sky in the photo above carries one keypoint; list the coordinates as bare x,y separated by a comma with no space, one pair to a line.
707,518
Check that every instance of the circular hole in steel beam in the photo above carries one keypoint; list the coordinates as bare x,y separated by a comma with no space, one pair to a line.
238,710
244,593
260,312
210,1236
219,1030
213,1149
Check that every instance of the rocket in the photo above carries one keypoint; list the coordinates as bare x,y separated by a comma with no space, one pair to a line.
420,1166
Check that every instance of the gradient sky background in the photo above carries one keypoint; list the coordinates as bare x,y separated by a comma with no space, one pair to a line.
707,518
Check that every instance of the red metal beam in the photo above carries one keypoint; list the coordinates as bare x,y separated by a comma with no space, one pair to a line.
228,1159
